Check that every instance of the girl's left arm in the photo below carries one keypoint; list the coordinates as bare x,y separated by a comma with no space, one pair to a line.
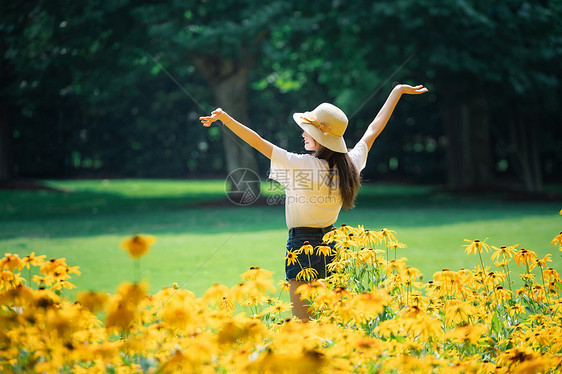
245,133
380,121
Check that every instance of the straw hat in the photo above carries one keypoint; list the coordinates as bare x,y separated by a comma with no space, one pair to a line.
326,124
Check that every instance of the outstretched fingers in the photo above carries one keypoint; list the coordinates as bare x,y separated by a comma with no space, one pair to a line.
414,90
208,120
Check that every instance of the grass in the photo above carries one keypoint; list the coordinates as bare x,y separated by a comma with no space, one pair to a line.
199,246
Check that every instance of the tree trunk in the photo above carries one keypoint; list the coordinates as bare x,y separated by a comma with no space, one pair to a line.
526,153
228,80
6,161
470,165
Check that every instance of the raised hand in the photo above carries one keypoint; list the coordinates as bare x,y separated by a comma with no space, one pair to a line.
216,115
411,90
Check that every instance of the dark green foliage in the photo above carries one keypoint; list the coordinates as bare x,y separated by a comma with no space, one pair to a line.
93,88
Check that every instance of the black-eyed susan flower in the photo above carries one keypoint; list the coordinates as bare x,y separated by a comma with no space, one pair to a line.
138,245
33,260
551,275
133,293
49,266
93,301
395,245
345,229
11,262
458,312
540,262
256,273
284,286
557,241
524,257
324,249
528,278
504,251
516,309
216,293
227,305
307,274
120,315
467,334
307,248
502,263
501,293
476,246
388,235
494,277
292,257
368,237
371,303
10,280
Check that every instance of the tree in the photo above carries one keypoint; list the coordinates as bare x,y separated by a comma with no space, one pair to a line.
477,56
223,42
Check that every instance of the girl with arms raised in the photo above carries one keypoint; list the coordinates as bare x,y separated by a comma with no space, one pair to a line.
316,185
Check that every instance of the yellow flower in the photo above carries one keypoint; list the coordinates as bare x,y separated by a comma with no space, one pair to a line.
457,311
504,251
324,250
540,262
551,274
284,286
502,294
388,234
93,301
476,246
120,315
345,229
370,304
307,248
493,278
10,280
502,263
446,275
516,309
216,293
32,260
524,256
11,262
133,293
276,309
307,274
395,245
291,257
138,245
468,334
227,305
411,273
370,237
557,240
49,266
256,273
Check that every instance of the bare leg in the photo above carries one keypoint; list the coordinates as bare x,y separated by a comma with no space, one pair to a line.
299,306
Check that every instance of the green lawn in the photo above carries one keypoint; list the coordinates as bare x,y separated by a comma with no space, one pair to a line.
198,246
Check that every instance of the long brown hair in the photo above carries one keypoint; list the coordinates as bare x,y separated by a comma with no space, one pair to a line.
349,179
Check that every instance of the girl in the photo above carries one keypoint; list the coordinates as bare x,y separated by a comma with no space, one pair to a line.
316,185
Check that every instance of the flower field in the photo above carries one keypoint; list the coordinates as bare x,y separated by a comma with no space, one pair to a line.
374,313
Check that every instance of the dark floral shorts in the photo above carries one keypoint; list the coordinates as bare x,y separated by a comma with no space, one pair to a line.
297,238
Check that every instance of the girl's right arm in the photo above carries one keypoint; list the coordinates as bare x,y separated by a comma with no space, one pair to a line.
248,135
379,123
